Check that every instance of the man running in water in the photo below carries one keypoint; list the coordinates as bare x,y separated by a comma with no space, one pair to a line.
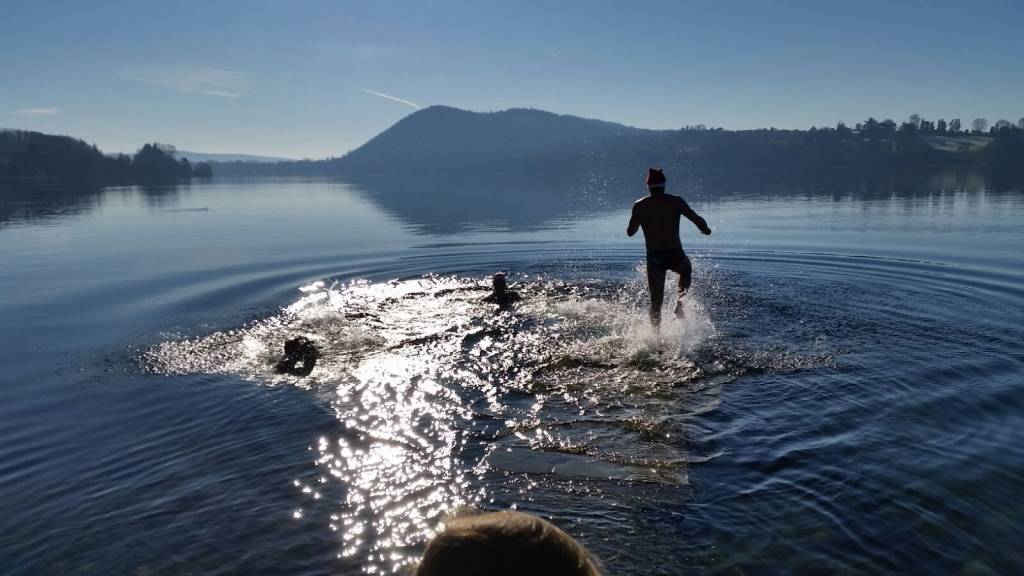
658,215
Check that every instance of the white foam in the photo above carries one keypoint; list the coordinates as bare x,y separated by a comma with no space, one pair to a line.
692,329
622,331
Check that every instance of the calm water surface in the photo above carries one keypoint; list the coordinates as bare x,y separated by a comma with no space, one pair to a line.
843,396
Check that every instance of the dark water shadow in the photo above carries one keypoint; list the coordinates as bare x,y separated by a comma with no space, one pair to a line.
35,205
458,202
41,204
442,203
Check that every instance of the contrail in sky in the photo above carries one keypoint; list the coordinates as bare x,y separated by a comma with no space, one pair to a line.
40,112
389,97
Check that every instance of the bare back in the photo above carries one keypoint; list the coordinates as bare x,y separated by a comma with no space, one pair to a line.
658,216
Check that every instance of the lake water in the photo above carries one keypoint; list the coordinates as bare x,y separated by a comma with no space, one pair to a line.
843,396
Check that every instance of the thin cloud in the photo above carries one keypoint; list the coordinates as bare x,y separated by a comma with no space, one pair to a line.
36,112
191,79
390,97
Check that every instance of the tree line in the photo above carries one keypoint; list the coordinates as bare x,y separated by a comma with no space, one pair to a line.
869,144
38,157
443,140
916,124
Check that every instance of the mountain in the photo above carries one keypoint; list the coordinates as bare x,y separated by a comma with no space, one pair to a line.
445,138
221,157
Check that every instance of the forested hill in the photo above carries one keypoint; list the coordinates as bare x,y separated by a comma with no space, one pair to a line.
441,138
44,158
445,138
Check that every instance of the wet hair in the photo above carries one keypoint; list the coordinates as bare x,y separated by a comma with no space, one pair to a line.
504,544
499,278
297,350
295,345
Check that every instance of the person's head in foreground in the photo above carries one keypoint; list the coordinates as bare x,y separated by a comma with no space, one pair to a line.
655,180
504,543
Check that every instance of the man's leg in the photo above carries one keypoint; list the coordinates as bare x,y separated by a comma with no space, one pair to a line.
656,285
685,271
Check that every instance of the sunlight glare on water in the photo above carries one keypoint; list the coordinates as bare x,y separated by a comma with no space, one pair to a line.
433,389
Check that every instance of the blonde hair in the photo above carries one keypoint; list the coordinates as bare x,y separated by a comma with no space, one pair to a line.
504,543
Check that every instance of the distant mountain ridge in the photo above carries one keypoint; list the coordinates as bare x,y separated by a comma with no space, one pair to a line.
445,139
450,141
227,157
442,137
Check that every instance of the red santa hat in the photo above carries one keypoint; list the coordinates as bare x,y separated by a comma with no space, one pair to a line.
655,179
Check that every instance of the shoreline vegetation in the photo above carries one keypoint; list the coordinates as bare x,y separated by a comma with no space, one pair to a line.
37,158
441,139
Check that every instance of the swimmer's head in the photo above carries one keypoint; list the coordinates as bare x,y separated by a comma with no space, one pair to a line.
292,345
295,346
655,180
506,543
499,282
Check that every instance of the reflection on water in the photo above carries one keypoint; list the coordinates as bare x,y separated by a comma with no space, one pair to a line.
454,203
450,204
436,203
26,205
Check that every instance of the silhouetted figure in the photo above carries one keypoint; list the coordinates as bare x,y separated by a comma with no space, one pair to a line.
501,295
658,215
299,357
505,543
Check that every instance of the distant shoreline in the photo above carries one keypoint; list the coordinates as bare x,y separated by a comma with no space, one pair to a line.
447,140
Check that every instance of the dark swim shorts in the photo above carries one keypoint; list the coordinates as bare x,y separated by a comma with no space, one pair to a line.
672,259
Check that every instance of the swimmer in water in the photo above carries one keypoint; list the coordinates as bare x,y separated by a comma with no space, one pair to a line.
501,295
658,215
296,351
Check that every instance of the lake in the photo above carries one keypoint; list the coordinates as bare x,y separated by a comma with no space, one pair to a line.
843,395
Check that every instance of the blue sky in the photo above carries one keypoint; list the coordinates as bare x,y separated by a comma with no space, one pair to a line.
317,78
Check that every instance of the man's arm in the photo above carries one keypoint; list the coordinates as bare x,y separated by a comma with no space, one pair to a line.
694,217
634,223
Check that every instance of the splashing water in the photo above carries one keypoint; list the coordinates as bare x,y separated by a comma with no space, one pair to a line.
434,389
